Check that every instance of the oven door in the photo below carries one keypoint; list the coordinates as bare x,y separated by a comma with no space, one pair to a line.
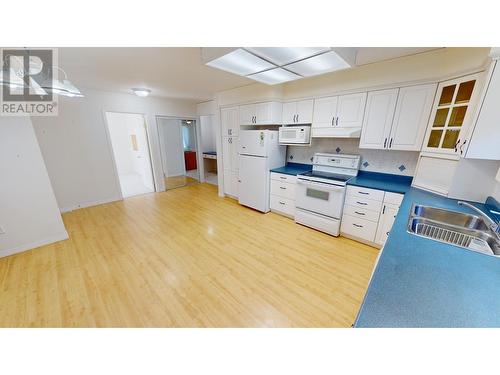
321,198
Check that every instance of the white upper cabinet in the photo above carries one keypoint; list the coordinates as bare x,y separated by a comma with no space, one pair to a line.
335,113
350,110
229,122
247,114
325,111
412,115
396,119
451,116
268,113
485,136
298,112
379,113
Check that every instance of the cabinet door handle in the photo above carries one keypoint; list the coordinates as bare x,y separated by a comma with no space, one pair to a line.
357,225
297,118
383,210
385,143
362,203
363,192
281,202
282,188
360,213
337,121
456,144
387,233
462,145
390,143
283,178
333,120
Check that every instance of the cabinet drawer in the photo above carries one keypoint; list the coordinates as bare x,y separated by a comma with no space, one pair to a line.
360,228
284,205
283,177
393,198
361,213
367,204
362,192
283,189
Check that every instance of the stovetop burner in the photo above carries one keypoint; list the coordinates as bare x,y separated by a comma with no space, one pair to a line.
327,175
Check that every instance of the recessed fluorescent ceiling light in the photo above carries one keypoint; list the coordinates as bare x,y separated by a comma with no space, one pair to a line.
240,62
327,62
274,76
141,92
286,55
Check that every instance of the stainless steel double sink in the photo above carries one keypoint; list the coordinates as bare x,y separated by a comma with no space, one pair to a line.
456,228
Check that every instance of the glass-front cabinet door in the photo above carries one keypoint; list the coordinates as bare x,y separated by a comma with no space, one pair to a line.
453,111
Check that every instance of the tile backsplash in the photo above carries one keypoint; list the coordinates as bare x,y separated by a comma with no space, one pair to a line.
394,162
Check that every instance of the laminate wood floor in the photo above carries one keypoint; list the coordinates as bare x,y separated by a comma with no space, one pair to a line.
185,258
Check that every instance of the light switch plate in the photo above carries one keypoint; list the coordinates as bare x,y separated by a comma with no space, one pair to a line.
2,231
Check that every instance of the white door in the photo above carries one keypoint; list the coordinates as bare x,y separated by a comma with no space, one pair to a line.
325,110
412,115
253,142
305,111
289,113
227,153
229,183
385,223
247,114
229,122
350,110
380,107
130,148
253,188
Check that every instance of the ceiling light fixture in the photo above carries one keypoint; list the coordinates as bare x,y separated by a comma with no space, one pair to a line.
286,55
274,76
319,64
240,62
274,65
141,92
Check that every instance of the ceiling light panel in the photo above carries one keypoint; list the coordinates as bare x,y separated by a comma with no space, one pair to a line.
286,55
274,76
327,62
240,62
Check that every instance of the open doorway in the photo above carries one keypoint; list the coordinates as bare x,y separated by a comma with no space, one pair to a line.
179,155
129,141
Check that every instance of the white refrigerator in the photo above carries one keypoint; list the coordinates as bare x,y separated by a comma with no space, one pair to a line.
259,152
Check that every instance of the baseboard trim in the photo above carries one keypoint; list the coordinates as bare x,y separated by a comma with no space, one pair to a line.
89,204
30,246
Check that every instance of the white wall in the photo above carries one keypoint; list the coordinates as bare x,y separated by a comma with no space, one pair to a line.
28,209
207,125
76,148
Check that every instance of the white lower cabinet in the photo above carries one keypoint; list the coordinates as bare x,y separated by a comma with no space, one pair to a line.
369,214
387,217
231,183
283,194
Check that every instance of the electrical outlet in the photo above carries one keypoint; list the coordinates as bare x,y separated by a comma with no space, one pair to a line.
2,231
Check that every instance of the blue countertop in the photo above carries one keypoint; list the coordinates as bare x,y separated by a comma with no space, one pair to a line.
382,181
293,169
419,282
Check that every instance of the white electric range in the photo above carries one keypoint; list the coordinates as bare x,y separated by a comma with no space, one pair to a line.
320,194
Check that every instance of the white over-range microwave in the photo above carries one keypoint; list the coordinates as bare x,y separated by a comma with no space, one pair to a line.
294,135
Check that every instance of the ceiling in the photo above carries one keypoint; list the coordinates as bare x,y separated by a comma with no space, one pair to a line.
171,72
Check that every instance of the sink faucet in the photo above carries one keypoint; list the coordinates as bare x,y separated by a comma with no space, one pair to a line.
493,225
